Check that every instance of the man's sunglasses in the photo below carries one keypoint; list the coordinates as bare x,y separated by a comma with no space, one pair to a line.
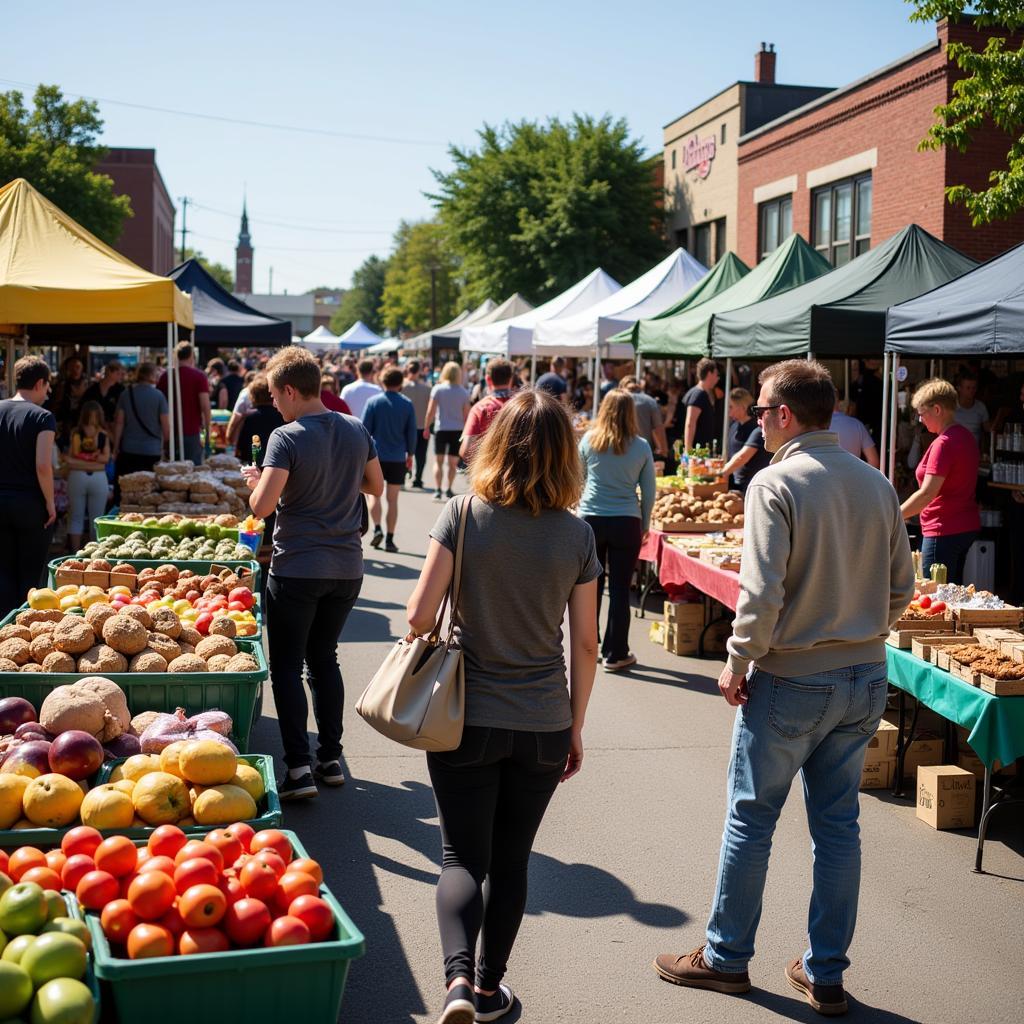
757,411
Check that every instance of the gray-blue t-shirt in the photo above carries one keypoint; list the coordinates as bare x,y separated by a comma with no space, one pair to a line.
143,432
450,400
319,516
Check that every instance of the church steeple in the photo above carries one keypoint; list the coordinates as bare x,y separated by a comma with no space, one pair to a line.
243,256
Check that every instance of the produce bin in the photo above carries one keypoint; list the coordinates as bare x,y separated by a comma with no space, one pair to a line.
89,979
237,693
269,812
198,567
247,986
106,525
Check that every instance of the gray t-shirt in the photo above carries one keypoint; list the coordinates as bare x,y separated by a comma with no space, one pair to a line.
419,394
319,516
450,400
972,418
518,573
648,416
853,435
143,434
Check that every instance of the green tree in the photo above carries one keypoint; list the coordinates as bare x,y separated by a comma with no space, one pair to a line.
991,91
54,147
536,207
221,274
421,252
362,301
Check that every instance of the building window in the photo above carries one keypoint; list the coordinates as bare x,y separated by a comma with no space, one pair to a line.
841,224
723,134
775,224
702,243
673,159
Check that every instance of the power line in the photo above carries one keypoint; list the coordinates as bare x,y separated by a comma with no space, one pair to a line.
278,248
260,221
273,126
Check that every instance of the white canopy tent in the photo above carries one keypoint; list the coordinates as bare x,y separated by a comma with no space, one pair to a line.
514,336
583,333
384,347
514,305
320,340
422,342
358,337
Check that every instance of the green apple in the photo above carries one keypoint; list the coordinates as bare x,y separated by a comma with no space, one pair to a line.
23,909
3,944
15,989
15,949
5,883
63,1001
55,905
54,955
69,926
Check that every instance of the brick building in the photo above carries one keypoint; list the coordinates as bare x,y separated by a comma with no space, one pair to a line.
845,172
147,238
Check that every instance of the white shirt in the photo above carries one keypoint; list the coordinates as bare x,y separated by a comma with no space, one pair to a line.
358,393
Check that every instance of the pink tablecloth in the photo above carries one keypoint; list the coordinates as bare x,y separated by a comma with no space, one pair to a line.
675,568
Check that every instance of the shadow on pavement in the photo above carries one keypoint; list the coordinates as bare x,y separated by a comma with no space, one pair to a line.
666,677
392,570
363,627
797,1009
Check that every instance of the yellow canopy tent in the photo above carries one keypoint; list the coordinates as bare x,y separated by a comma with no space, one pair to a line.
61,284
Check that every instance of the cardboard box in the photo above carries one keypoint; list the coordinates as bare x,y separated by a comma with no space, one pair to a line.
882,746
877,774
657,633
716,636
945,796
682,639
685,613
923,753
970,762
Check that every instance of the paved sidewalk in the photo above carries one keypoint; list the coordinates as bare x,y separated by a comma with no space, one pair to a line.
625,861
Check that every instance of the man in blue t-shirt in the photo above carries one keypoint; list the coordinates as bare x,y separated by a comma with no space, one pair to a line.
553,382
391,420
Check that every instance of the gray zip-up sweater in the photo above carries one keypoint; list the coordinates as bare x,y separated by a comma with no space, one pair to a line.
826,566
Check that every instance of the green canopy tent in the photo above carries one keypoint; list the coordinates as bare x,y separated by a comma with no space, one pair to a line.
840,314
727,271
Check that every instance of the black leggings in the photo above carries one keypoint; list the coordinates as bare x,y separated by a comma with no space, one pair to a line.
618,547
24,546
491,795
304,618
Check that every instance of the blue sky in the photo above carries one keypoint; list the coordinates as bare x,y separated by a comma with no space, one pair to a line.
424,73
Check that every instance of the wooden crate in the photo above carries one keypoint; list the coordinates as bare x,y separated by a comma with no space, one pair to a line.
964,672
939,624
994,636
1002,687
939,656
688,526
903,636
707,490
940,659
921,644
974,617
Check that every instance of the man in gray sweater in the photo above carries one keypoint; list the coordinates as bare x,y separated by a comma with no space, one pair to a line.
806,669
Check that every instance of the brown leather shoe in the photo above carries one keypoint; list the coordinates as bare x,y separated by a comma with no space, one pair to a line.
691,970
829,1000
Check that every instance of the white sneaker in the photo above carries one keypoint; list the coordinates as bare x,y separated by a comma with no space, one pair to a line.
617,666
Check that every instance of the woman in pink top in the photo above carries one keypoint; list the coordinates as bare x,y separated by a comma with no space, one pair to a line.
947,477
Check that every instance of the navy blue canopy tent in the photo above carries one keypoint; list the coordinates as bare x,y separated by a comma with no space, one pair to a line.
223,320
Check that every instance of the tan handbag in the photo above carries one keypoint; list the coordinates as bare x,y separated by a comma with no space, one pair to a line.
418,696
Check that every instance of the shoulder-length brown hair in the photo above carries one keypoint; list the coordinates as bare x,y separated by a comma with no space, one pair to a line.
528,456
616,424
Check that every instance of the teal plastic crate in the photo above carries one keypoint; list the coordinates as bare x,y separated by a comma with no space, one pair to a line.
301,983
237,693
199,567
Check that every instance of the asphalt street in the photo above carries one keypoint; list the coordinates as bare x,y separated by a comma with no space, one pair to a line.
624,865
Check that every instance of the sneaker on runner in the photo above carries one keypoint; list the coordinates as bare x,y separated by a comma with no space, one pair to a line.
301,788
330,774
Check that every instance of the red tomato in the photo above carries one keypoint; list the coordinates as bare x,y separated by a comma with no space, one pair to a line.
272,839
310,867
78,864
232,888
96,889
287,931
937,608
172,922
199,848
315,913
149,940
247,921
203,940
166,841
44,877
244,596
55,859
123,885
3,862
117,920
117,855
202,906
202,623
82,839
925,601
293,885
161,863
151,895
197,871
271,858
243,833
23,859
142,855
230,847
258,879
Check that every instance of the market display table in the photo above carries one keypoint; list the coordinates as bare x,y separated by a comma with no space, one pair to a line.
996,724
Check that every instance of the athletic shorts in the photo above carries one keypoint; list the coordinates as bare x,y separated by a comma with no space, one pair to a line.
394,472
446,442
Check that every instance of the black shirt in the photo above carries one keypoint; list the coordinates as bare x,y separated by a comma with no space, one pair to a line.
21,423
109,403
260,422
233,384
866,392
551,383
700,399
747,435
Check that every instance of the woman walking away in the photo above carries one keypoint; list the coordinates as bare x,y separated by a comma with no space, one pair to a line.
947,477
87,472
616,461
27,511
523,728
314,468
447,409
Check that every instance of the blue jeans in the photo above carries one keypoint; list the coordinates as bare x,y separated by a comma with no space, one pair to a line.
820,725
951,550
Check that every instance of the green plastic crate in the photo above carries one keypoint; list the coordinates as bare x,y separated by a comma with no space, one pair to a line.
301,983
237,693
269,809
199,567
89,980
107,525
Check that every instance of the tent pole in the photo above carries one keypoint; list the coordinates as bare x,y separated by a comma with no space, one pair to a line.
894,400
9,366
846,384
533,369
931,368
638,367
810,355
177,383
725,418
170,392
597,390
885,412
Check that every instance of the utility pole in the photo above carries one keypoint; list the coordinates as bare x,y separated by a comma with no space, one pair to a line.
270,287
184,216
433,268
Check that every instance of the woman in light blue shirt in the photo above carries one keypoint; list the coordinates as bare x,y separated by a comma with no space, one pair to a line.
616,462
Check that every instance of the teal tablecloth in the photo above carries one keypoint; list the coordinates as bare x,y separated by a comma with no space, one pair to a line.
996,724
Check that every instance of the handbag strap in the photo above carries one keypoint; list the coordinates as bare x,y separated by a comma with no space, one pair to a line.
451,597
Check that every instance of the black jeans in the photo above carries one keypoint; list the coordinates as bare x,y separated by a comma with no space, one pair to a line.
618,547
24,546
422,444
304,619
491,795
